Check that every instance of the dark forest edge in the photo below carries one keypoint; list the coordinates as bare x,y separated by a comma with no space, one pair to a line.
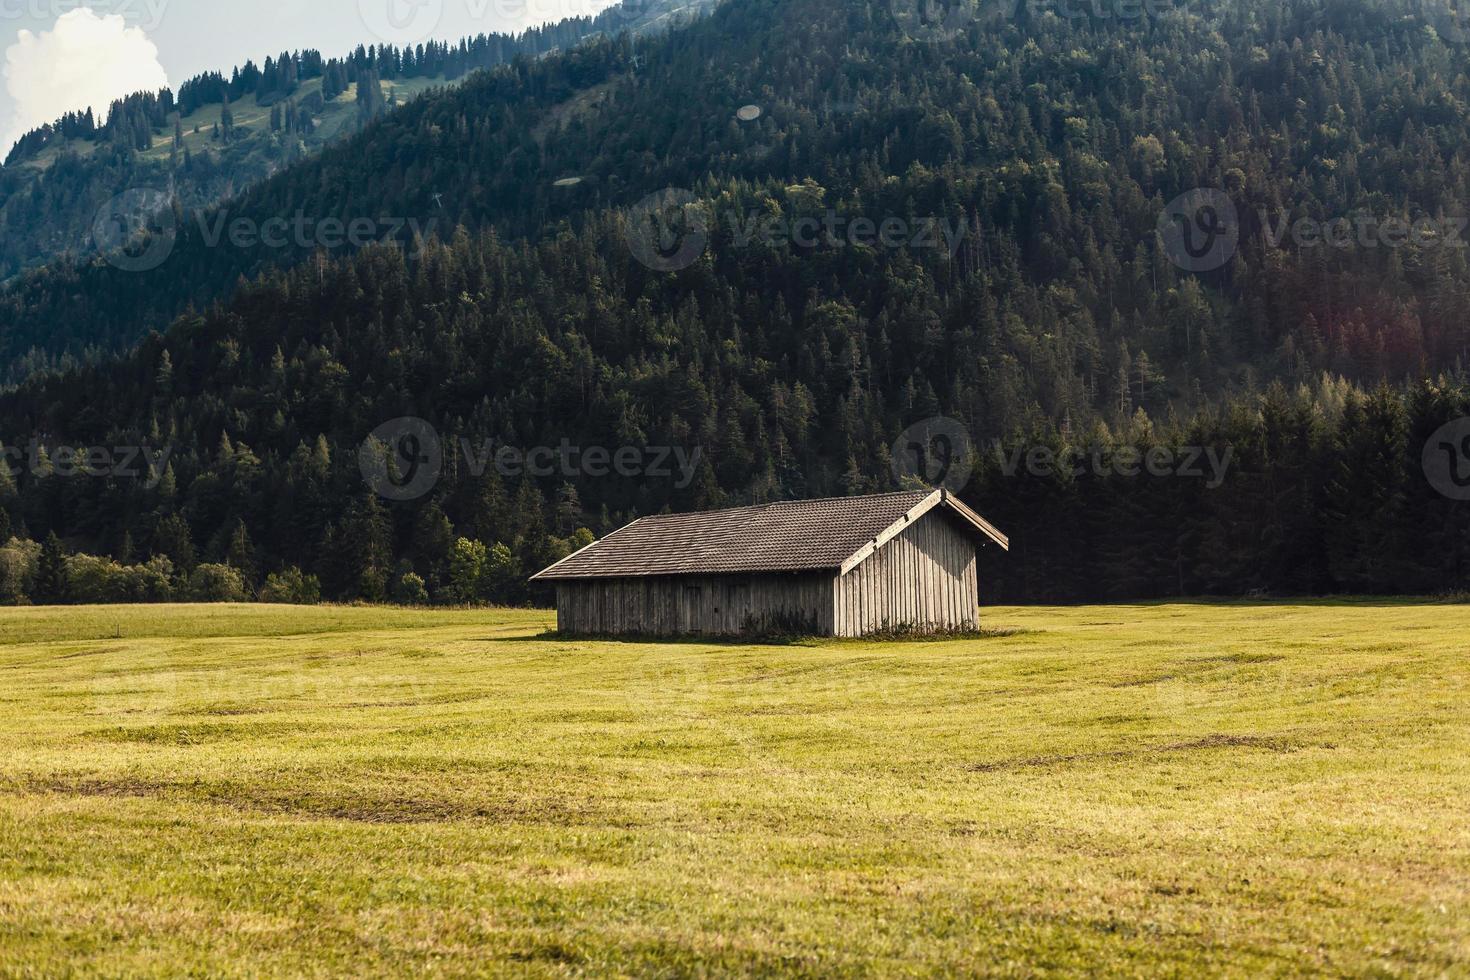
1326,493
790,371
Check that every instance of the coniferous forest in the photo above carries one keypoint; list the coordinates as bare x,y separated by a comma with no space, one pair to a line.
224,132
1055,324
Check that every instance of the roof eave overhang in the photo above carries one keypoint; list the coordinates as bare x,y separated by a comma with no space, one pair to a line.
549,576
939,498
546,573
979,523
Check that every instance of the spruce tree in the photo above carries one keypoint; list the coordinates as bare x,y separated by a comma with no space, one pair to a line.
51,583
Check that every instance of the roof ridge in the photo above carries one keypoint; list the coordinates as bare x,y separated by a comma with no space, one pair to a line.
800,501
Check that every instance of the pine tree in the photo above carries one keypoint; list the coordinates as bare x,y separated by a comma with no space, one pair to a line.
568,510
490,511
51,581
433,537
241,553
173,540
372,539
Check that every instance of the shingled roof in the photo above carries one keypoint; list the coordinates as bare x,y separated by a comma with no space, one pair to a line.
788,536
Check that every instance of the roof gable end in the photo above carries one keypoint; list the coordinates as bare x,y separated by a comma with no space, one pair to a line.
938,500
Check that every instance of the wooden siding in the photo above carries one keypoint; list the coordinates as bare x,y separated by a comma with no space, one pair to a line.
923,579
685,605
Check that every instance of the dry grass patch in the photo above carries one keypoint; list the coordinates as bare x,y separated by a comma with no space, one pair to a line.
1225,789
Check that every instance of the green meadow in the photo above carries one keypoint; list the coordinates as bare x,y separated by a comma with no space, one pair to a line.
1143,790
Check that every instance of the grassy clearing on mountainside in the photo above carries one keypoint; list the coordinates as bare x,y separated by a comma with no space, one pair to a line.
1238,788
336,119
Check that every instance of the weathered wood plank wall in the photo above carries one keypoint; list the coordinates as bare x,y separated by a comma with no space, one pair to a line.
684,605
924,579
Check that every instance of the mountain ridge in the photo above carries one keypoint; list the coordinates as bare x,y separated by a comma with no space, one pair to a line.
764,326
58,176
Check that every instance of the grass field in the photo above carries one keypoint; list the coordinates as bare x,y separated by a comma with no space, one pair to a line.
1138,790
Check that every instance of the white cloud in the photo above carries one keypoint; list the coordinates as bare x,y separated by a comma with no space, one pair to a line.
83,61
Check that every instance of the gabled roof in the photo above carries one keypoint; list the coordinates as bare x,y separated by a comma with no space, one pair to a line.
835,534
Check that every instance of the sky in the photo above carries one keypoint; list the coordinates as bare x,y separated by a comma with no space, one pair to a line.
64,55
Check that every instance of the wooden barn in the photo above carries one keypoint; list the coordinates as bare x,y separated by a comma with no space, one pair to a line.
847,566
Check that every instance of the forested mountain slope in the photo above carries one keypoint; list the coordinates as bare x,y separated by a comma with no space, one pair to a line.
787,367
219,135
1062,137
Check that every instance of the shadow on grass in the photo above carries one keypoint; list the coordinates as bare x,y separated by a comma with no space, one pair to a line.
892,636
1255,601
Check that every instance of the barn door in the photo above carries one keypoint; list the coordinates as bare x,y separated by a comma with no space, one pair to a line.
737,614
691,609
